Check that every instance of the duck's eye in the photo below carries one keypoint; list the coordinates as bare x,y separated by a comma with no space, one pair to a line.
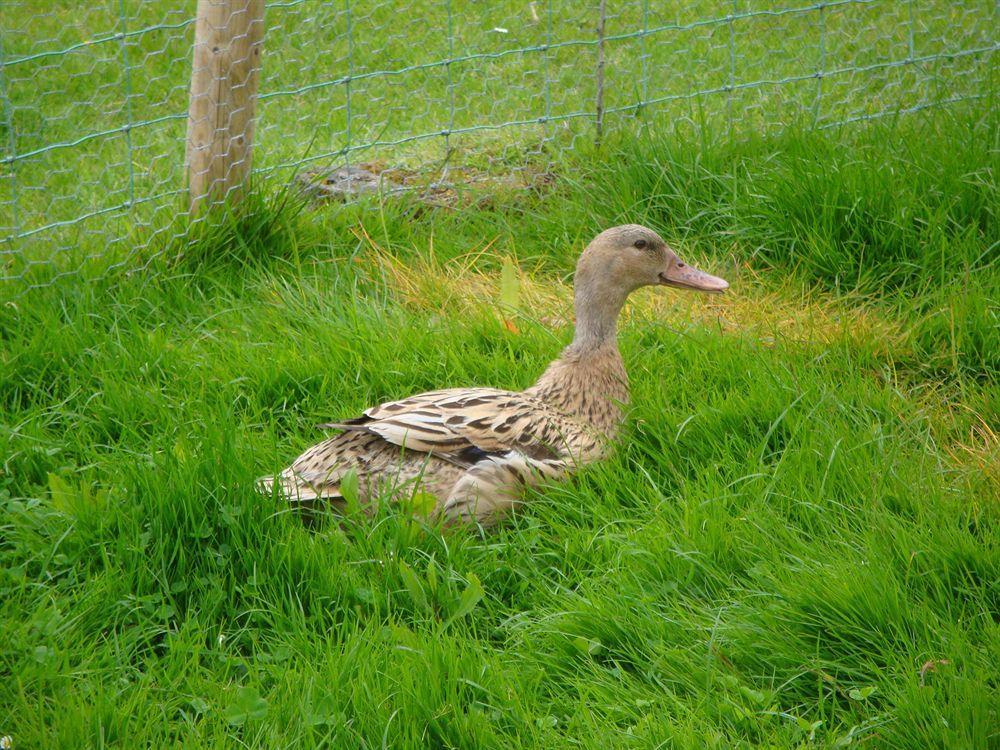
640,244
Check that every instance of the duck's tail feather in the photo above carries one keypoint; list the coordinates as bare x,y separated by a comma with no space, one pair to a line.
297,488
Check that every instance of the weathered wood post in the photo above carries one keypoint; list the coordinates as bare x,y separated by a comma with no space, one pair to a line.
227,49
599,103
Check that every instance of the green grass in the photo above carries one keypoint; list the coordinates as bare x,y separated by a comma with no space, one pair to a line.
796,544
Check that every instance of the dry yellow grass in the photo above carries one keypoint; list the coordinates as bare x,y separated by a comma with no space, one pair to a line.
751,307
979,453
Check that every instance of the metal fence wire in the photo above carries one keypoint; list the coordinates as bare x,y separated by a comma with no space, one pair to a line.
95,96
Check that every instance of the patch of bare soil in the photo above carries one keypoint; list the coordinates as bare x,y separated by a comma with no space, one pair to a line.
457,186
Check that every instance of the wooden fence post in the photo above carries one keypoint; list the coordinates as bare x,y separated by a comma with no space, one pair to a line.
227,48
599,104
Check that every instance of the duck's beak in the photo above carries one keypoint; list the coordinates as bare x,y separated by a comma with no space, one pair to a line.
683,276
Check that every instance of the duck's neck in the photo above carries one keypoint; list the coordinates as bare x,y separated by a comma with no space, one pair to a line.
588,381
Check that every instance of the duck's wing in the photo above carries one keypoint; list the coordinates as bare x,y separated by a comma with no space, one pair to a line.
464,425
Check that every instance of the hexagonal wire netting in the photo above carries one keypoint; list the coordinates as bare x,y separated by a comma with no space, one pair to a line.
95,97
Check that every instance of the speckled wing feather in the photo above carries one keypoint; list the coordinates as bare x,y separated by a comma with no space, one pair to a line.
462,425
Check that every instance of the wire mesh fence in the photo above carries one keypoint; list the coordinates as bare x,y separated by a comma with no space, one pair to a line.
94,98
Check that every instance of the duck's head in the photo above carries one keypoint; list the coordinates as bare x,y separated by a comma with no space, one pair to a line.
621,259
616,263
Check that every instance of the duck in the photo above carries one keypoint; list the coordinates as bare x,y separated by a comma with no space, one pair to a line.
474,451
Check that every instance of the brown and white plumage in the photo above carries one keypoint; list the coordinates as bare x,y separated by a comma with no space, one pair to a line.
475,449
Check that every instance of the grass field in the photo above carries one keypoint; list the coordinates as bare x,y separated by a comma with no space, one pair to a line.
795,545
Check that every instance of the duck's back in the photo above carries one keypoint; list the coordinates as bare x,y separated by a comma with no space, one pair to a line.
433,438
